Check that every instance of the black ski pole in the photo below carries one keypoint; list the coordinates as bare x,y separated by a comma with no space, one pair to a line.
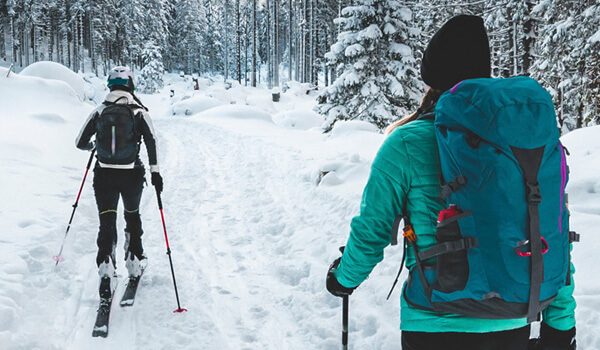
58,258
162,215
345,322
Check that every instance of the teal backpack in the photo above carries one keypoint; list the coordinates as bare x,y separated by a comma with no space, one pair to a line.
503,242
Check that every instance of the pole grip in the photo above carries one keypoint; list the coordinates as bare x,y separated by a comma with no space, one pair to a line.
89,163
160,205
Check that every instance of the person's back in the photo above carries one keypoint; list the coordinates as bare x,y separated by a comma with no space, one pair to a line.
119,125
405,181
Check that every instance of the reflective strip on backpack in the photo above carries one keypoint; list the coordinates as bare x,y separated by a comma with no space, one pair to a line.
113,144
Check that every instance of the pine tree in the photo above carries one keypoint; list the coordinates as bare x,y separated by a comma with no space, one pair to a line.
151,78
567,48
378,80
189,26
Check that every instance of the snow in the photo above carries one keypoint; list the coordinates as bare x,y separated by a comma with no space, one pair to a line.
354,50
372,32
236,112
595,38
195,104
53,70
298,119
351,78
256,204
401,49
352,127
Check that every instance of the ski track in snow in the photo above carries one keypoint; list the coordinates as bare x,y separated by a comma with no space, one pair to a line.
238,219
239,213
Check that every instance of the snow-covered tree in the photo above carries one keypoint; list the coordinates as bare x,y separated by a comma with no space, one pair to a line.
151,77
378,80
568,48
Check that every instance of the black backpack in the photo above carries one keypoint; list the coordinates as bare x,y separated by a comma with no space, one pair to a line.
117,135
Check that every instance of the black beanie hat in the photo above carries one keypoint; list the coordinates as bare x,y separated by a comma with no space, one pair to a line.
459,50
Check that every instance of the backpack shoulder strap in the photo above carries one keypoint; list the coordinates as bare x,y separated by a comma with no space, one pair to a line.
426,116
112,103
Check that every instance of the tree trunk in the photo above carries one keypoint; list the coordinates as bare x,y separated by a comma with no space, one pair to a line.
239,41
2,43
246,46
269,46
276,42
51,30
26,44
291,14
528,38
81,43
13,47
226,37
254,50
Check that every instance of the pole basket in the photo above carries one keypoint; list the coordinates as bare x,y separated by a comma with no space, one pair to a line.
58,258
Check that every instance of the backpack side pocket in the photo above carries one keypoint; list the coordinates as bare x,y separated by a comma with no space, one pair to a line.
453,266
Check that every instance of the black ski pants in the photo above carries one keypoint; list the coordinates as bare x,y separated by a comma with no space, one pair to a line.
515,339
109,184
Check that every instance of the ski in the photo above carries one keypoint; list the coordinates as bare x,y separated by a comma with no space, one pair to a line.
103,317
131,289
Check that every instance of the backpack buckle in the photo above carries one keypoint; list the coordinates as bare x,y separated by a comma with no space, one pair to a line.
521,244
533,192
453,186
573,236
409,234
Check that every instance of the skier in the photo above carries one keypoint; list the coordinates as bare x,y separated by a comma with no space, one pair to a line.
405,177
119,124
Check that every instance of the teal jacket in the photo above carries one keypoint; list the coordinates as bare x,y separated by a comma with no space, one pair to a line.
407,170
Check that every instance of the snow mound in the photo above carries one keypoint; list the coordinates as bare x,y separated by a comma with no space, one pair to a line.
221,95
348,127
345,169
262,101
584,183
238,94
49,118
194,105
35,95
56,71
298,119
297,88
236,112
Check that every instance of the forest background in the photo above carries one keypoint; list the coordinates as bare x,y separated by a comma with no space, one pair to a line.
362,55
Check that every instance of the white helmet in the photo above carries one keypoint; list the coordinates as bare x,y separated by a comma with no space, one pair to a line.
121,76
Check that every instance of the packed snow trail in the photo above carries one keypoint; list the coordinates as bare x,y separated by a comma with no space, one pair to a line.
240,215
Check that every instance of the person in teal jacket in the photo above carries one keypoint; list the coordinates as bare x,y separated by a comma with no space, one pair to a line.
406,172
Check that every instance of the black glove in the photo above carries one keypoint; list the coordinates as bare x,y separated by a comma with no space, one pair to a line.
157,182
333,286
553,339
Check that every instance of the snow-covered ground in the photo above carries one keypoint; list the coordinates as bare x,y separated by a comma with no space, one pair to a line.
256,199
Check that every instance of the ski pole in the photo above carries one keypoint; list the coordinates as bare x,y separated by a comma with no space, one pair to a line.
58,258
345,322
162,215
